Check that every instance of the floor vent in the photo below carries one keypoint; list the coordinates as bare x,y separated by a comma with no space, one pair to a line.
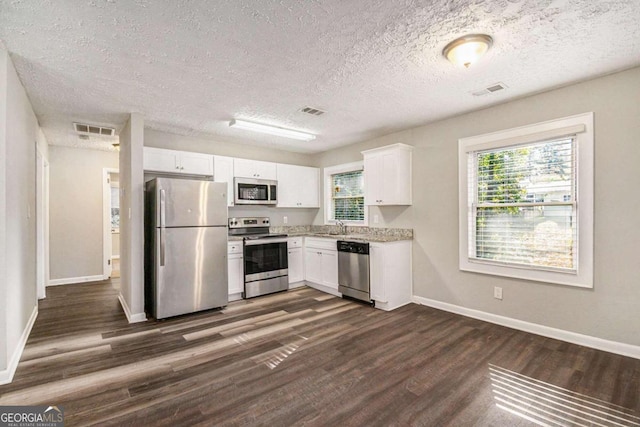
86,129
312,111
496,87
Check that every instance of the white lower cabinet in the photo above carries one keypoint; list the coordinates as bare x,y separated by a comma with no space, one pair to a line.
296,262
236,270
390,274
321,264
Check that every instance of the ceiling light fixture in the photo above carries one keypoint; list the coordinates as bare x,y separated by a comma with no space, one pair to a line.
468,49
271,130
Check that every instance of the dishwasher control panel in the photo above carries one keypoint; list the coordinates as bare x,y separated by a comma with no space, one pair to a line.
353,247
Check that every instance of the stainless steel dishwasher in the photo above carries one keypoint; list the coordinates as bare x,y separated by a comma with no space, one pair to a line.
353,270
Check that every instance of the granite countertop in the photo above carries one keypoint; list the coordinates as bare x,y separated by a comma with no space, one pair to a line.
358,234
353,237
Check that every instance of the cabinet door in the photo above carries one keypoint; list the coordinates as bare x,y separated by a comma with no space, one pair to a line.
295,265
309,179
329,267
254,169
376,268
313,265
387,175
298,186
372,179
160,160
196,163
236,274
223,172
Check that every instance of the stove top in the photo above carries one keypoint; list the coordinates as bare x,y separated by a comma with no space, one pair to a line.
263,236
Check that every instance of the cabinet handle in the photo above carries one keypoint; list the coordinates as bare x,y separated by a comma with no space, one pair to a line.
177,167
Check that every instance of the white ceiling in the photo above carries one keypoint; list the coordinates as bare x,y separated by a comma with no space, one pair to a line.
375,66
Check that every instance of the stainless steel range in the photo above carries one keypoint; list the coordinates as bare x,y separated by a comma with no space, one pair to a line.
266,269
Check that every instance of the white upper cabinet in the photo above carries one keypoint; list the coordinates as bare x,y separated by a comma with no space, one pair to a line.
387,175
244,168
298,186
159,160
181,162
223,172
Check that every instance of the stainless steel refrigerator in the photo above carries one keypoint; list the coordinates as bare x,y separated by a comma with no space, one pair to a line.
185,246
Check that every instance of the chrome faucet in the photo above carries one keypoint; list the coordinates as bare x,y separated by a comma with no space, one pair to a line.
343,227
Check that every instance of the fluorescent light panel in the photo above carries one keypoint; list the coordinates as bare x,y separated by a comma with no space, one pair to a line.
271,130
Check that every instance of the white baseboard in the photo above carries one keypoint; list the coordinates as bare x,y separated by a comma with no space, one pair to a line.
131,317
534,328
71,280
6,375
297,284
323,288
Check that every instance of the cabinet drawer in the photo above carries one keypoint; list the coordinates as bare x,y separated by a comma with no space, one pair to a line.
319,243
294,242
234,247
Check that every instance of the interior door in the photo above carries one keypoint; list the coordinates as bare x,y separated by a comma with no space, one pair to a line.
191,270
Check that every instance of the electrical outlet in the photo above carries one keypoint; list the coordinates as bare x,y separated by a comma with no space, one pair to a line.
497,292
376,219
285,220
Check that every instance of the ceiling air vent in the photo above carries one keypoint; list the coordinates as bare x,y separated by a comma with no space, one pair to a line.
86,129
312,111
496,87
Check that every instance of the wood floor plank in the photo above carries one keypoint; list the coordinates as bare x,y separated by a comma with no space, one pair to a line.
305,358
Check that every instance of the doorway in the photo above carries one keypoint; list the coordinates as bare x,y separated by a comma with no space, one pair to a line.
111,223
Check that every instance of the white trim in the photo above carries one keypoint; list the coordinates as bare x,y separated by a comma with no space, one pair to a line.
535,328
131,317
583,125
326,189
6,375
42,223
71,280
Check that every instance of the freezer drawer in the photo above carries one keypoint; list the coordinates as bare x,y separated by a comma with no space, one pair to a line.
190,270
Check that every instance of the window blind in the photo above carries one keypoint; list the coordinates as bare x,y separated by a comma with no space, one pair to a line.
524,206
347,196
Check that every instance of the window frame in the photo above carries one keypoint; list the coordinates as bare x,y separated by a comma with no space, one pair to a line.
581,126
328,205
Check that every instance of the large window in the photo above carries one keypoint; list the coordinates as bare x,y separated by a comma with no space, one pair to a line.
527,202
344,194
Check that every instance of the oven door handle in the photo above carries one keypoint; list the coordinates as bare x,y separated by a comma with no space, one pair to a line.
263,241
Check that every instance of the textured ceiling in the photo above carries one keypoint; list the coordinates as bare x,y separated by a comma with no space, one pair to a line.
375,66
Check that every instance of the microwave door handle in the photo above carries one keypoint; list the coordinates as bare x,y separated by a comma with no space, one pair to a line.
162,226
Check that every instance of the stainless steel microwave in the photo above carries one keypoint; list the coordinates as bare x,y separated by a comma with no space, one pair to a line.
249,191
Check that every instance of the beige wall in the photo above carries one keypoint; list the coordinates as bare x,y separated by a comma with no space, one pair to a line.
18,136
76,211
609,310
154,138
158,139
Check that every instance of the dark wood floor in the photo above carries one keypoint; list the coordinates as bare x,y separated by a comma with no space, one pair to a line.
307,358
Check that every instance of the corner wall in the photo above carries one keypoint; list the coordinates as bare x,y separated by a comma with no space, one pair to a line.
608,311
18,138
132,219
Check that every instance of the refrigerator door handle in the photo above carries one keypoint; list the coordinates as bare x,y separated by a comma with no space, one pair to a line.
162,227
